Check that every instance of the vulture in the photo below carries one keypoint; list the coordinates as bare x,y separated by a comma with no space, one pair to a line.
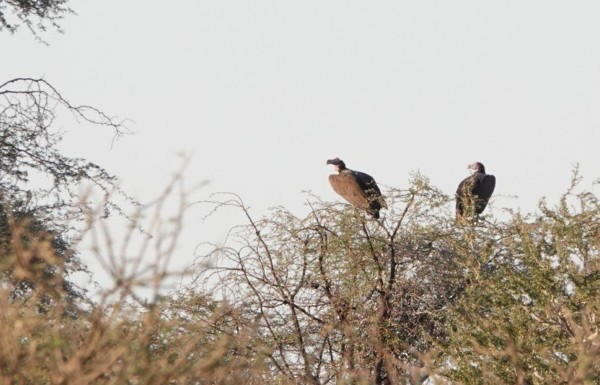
358,188
474,192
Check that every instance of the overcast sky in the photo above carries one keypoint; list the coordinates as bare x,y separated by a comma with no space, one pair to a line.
263,92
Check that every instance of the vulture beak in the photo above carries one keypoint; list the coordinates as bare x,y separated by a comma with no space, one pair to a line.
472,168
336,163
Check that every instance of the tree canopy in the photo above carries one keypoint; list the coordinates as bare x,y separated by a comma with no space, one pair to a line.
36,15
334,297
40,201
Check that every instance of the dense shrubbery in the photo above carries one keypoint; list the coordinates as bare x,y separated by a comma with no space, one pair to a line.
334,298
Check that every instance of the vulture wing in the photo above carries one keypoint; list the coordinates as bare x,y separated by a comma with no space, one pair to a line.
368,185
348,188
484,188
463,191
366,181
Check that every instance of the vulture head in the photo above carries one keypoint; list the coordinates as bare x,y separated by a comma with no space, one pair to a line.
338,163
476,167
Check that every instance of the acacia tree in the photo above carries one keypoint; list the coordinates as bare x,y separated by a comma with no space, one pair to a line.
529,314
46,208
416,297
38,183
338,297
29,147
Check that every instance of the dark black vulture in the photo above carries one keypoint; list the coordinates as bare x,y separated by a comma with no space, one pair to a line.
356,187
474,192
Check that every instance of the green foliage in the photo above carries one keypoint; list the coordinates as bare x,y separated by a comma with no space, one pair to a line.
36,261
341,298
338,297
529,313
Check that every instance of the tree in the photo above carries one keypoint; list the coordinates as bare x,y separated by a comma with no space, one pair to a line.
29,147
36,15
181,338
35,262
529,315
330,290
338,298
39,201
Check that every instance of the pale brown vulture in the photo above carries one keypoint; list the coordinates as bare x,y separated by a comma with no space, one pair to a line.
356,187
476,190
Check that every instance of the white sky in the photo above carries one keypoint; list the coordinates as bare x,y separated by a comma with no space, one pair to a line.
263,92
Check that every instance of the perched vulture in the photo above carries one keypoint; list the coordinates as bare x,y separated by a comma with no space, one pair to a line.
358,188
475,189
